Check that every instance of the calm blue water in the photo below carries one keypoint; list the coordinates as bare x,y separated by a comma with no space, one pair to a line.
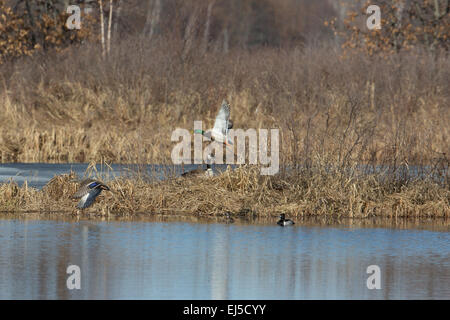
38,174
179,260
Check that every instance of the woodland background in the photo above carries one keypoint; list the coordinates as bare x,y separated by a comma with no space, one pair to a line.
115,89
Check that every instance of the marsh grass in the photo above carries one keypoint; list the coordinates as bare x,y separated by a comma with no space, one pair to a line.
243,193
76,107
334,114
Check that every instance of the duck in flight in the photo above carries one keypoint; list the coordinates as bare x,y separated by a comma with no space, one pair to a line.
222,125
89,190
284,222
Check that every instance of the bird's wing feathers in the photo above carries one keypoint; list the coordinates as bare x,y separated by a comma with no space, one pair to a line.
81,192
84,188
221,123
89,198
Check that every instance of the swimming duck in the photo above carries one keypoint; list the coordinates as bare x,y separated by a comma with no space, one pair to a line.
89,190
228,217
284,222
222,125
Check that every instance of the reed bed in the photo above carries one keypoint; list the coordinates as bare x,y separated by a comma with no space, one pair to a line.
244,193
334,112
76,107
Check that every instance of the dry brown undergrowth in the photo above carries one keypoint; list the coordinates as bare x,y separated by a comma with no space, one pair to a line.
243,192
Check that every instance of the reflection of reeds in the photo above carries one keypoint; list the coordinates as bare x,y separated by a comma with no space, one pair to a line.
244,193
434,224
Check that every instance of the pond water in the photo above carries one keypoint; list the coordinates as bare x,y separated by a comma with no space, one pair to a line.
183,260
157,259
38,174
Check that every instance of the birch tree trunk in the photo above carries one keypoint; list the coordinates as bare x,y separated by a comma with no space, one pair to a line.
156,12
189,33
148,19
108,43
102,27
226,40
207,25
116,21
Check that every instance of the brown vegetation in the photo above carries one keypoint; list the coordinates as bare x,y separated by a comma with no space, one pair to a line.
66,102
75,107
405,24
245,193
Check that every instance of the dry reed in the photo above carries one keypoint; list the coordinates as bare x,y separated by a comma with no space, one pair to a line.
76,107
333,114
243,192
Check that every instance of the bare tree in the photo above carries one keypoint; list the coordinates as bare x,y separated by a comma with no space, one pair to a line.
189,31
116,21
207,25
102,27
148,19
155,17
108,43
226,40
152,18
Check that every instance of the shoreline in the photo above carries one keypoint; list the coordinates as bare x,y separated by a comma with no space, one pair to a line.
241,193
440,224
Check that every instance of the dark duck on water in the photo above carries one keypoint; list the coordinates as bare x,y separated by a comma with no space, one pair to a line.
284,222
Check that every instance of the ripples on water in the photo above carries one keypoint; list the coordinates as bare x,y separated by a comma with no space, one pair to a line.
38,174
180,260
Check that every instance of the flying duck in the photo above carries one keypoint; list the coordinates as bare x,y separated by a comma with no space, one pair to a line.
222,125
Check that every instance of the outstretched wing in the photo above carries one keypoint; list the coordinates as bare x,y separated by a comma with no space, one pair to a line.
88,199
222,119
84,188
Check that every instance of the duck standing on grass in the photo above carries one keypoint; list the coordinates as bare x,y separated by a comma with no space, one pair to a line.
284,222
200,171
89,190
